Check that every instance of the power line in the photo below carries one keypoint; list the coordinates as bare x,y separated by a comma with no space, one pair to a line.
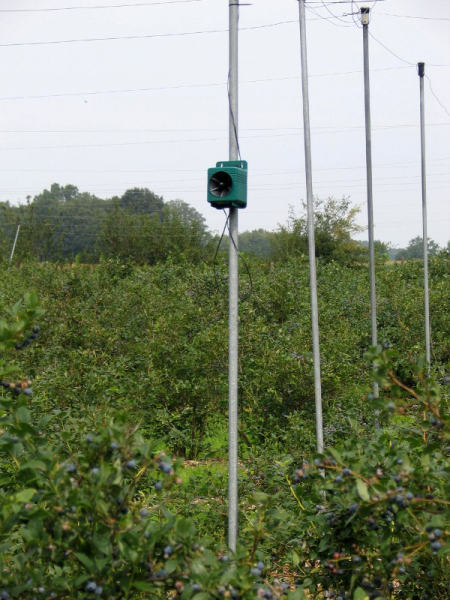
195,85
431,90
143,37
64,8
190,130
414,17
391,52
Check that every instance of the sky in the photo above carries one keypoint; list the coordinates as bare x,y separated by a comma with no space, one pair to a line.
113,94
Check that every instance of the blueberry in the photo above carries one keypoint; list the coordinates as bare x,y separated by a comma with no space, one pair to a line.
18,346
158,486
41,590
91,586
4,595
71,468
436,546
165,468
196,587
114,445
28,391
256,572
131,464
390,406
338,479
168,550
260,566
437,533
143,512
346,471
224,558
98,590
95,471
26,342
36,329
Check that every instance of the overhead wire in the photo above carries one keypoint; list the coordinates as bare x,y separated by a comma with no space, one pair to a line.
195,85
431,90
107,6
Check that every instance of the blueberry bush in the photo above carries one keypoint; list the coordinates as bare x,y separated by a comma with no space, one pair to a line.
94,394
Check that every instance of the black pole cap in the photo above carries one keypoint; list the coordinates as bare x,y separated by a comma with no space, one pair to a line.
421,69
365,10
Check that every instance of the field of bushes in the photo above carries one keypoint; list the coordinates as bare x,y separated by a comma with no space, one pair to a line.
113,477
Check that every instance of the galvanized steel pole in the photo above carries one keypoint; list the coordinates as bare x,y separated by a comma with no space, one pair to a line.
233,334
15,242
421,71
311,239
365,16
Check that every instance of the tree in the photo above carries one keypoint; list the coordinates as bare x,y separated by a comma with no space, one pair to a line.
334,227
415,249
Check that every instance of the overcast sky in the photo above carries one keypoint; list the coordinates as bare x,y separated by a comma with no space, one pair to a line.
151,111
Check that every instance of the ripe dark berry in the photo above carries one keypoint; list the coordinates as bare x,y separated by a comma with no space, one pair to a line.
91,586
158,486
36,329
168,550
131,464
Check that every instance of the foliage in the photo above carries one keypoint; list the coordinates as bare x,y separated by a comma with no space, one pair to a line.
373,511
415,249
89,507
64,223
334,222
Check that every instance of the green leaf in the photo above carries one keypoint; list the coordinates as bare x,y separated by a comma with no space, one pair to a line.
86,561
185,528
362,490
25,495
360,594
143,586
23,415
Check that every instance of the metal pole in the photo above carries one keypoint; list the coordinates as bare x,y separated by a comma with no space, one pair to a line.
15,242
365,17
233,335
421,71
311,239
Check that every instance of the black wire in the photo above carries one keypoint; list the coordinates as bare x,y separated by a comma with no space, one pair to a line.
24,10
242,258
332,14
217,250
431,90
327,19
393,53
231,108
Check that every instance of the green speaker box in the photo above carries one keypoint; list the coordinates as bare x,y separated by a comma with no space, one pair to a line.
227,184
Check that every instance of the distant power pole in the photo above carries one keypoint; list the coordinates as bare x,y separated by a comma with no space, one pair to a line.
365,18
421,72
233,265
311,237
15,242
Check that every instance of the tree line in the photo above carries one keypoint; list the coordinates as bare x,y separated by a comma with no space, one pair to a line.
64,224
